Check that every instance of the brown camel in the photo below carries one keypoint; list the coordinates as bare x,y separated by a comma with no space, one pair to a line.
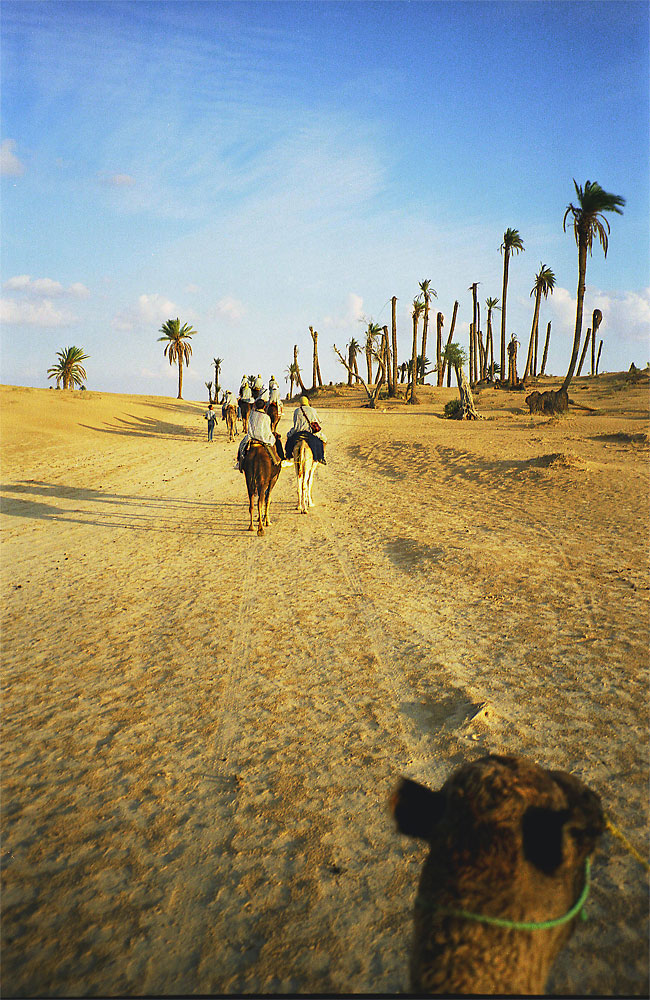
231,421
510,845
261,476
244,409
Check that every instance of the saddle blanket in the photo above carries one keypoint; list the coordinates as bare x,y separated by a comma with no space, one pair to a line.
315,443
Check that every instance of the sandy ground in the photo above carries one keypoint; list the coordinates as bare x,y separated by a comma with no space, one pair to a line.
201,728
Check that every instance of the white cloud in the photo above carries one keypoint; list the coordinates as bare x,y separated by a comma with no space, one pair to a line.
42,313
10,165
44,288
351,315
231,308
625,314
148,311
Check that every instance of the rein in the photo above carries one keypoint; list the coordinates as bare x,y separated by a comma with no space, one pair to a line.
515,925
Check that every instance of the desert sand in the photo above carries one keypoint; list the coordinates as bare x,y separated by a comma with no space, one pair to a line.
201,728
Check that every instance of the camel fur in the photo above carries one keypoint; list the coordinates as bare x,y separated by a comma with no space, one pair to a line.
507,839
305,467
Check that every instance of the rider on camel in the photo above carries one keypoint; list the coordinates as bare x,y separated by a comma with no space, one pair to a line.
259,429
306,422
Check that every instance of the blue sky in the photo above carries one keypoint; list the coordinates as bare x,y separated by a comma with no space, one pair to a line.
254,168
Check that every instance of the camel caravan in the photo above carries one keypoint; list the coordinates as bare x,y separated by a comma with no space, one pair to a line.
261,454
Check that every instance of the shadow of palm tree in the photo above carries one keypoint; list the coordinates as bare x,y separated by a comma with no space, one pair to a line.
148,427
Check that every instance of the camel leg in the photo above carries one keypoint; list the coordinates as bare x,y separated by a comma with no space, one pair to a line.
310,502
250,510
267,504
260,527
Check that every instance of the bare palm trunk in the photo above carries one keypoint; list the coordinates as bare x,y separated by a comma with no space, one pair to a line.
440,322
506,262
580,298
546,342
394,339
471,353
600,347
425,331
449,340
414,361
180,378
533,334
584,352
481,355
298,374
388,362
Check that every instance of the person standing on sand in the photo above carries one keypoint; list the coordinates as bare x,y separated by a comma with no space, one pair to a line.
211,417
306,421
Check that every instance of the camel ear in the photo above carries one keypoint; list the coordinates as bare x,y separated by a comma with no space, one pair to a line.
542,837
416,809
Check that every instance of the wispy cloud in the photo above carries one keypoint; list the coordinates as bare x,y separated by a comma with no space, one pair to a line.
117,180
37,288
350,315
10,165
149,310
40,314
231,309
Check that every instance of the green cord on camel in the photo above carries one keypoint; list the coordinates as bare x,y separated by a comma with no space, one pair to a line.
544,925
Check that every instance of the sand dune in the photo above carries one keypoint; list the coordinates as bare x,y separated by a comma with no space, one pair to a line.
201,728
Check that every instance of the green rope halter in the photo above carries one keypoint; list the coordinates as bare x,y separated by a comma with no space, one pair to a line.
515,925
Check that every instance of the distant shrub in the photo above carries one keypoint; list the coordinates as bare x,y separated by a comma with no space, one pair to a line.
453,409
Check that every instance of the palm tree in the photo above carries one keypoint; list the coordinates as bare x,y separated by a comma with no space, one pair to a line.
588,221
217,362
354,347
68,368
491,304
178,346
455,357
291,373
544,284
427,294
373,331
418,309
511,241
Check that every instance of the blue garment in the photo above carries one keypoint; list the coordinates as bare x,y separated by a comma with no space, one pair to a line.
315,443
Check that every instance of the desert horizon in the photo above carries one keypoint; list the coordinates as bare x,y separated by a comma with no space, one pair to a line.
202,728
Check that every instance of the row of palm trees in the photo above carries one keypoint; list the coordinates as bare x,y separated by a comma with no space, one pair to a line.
589,223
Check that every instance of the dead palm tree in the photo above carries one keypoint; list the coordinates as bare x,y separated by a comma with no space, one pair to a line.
394,341
178,346
588,221
418,309
512,241
596,320
426,294
315,371
491,304
544,285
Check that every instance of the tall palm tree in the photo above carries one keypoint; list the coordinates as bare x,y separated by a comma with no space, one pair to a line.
426,294
217,362
588,221
512,242
373,331
491,304
544,285
178,346
418,309
68,368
